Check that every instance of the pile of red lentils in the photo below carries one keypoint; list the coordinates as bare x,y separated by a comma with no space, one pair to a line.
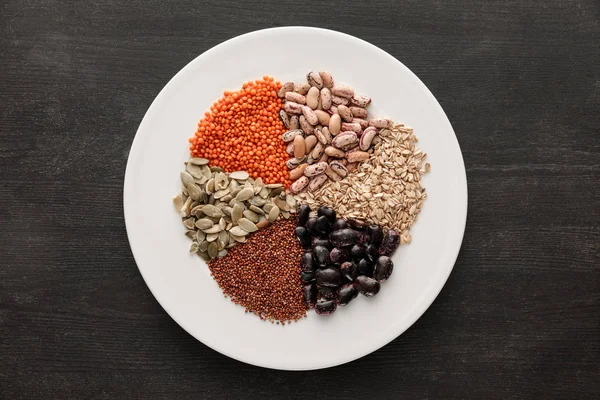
263,275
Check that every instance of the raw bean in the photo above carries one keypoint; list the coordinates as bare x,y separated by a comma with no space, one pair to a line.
379,122
362,122
263,224
306,127
294,162
338,168
343,161
310,159
295,97
300,184
323,117
315,169
284,118
299,147
351,126
310,142
317,182
325,98
318,151
345,113
294,123
326,78
292,108
312,98
290,135
324,158
323,136
298,171
359,112
336,100
332,110
302,88
335,124
287,87
333,152
367,138
342,91
314,80
310,115
351,167
290,148
345,140
357,156
332,175
360,101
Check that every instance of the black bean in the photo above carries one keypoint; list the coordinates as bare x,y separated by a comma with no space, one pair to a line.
365,267
321,255
349,271
357,225
327,292
303,214
367,286
375,235
307,277
322,242
327,212
344,237
310,295
338,256
323,226
339,224
390,243
307,262
303,236
372,253
383,268
310,225
329,277
346,294
358,251
325,307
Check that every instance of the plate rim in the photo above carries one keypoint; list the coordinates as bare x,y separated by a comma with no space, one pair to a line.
440,283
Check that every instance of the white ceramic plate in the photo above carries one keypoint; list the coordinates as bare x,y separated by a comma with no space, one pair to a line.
181,282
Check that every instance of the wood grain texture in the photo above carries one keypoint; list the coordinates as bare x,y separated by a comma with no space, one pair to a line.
520,315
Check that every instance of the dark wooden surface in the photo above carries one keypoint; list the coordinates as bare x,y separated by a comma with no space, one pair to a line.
520,315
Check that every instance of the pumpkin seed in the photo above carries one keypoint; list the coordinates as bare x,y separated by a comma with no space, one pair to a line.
222,223
227,198
257,210
246,225
178,201
238,231
210,186
194,247
239,239
221,181
194,170
189,223
201,181
264,193
204,256
222,253
275,192
198,161
204,223
185,210
267,207
283,206
206,172
239,175
223,238
216,169
190,233
291,201
273,214
213,229
227,211
194,191
236,213
211,237
251,215
285,214
258,201
274,185
221,193
200,236
186,178
229,225
212,211
258,185
212,250
203,246
245,194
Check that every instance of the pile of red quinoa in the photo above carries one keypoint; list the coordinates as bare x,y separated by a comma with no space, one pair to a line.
263,275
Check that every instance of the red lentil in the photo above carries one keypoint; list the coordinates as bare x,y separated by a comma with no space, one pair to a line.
263,275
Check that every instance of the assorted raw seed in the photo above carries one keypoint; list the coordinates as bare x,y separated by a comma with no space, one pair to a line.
269,149
222,209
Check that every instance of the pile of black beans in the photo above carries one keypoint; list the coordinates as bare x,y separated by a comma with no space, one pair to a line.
342,258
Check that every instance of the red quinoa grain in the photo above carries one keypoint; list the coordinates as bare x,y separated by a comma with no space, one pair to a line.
263,275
